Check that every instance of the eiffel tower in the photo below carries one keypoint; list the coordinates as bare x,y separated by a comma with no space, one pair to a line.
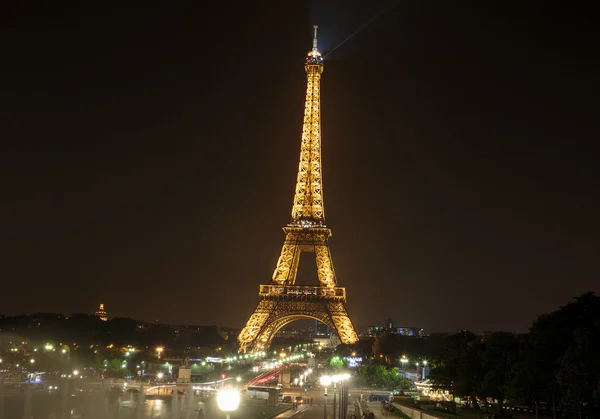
282,301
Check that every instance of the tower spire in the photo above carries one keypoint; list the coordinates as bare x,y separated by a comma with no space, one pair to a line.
308,209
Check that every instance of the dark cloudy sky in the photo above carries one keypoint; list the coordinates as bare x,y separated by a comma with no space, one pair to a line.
148,157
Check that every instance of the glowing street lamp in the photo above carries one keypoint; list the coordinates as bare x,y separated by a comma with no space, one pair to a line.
338,378
228,400
423,370
325,381
159,375
159,351
75,372
403,361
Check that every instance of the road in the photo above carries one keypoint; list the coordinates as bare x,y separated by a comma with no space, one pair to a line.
316,410
309,412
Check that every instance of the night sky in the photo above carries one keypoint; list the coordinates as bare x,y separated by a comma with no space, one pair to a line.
149,158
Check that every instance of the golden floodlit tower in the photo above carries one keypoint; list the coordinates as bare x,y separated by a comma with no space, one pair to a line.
282,301
101,313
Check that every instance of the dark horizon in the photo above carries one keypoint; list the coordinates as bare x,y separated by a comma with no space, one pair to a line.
152,155
300,324
304,323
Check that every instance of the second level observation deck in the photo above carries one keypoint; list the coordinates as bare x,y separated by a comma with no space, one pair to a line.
302,292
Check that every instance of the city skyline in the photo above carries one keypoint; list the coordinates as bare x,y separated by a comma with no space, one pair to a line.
152,160
362,330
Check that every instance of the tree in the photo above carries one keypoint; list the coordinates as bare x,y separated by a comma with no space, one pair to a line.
561,340
114,368
364,374
523,386
98,364
379,375
337,363
579,371
459,367
500,350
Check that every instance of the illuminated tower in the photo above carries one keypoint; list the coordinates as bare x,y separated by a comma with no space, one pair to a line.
101,313
282,301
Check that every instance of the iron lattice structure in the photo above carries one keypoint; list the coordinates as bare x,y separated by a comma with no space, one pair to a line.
283,301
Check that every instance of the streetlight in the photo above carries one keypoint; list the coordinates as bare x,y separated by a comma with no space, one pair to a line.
423,371
75,373
228,400
159,351
335,379
403,361
125,365
325,381
340,378
159,377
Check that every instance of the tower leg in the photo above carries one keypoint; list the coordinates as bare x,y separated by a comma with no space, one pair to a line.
287,265
324,266
342,323
256,322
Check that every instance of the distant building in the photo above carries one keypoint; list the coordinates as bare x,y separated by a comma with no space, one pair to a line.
375,330
390,329
390,324
417,332
101,313
330,341
321,329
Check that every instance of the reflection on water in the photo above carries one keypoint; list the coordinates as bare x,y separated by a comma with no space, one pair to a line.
158,408
27,403
105,402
